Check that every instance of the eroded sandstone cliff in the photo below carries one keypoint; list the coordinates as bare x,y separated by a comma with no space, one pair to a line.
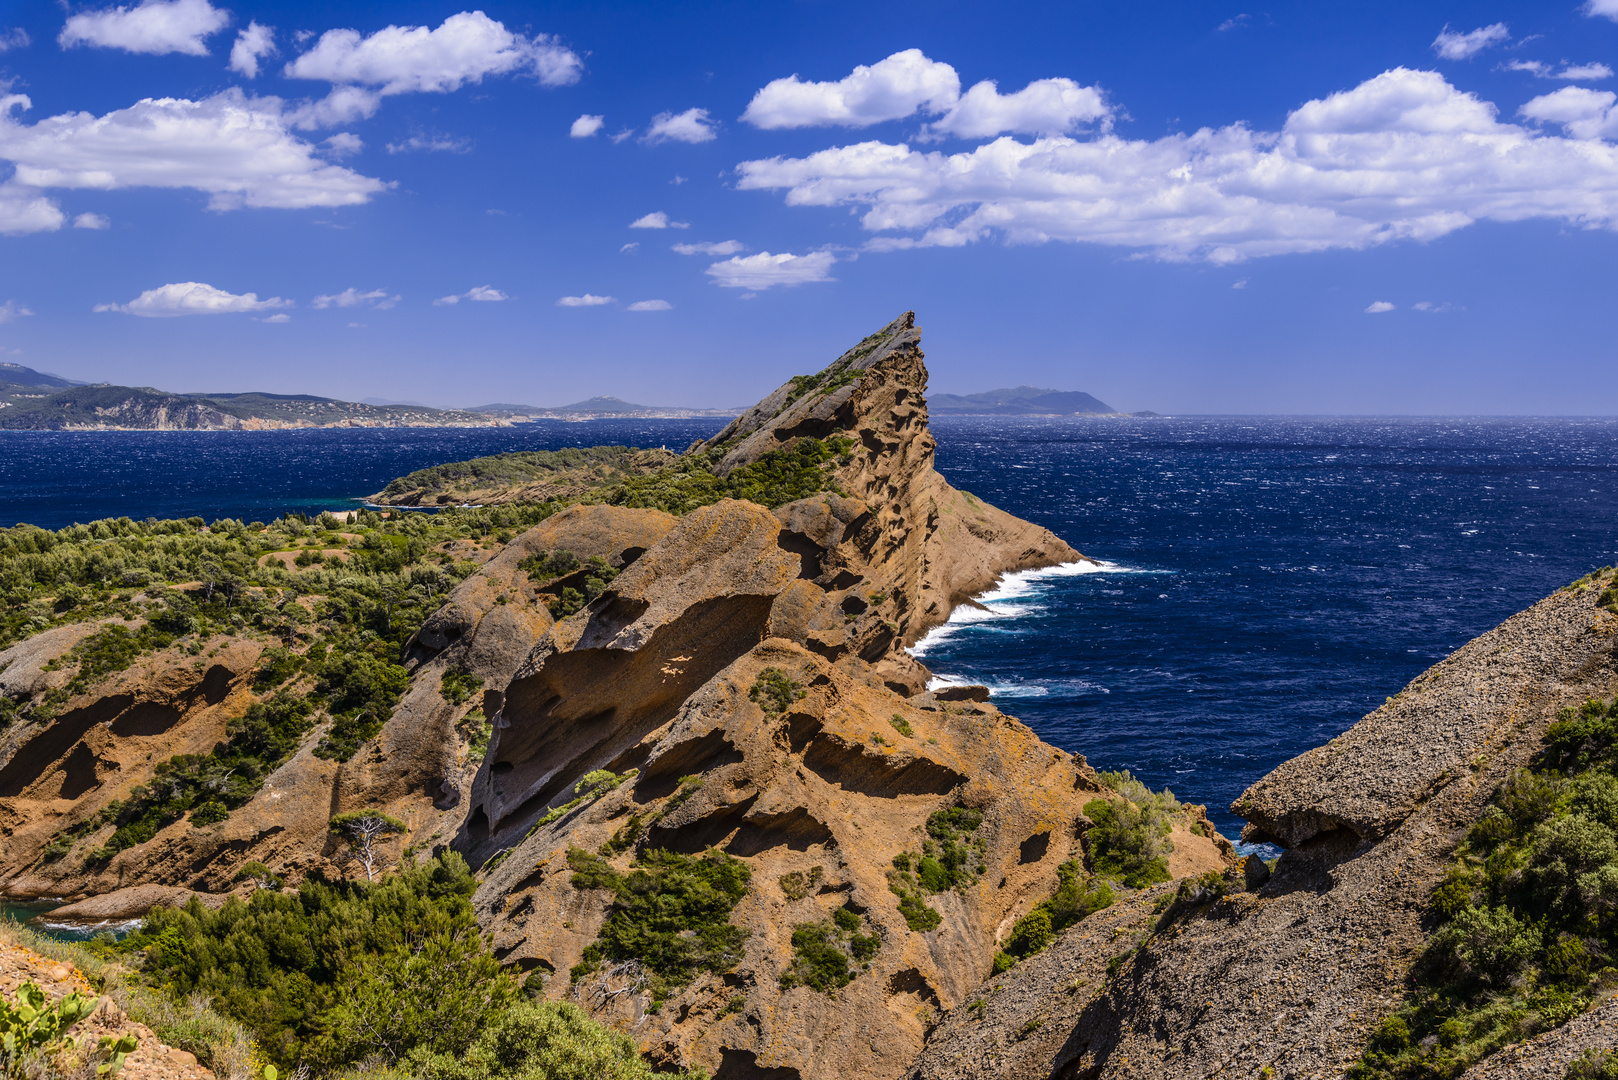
732,682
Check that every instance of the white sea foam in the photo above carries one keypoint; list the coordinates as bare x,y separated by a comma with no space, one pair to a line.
118,927
1013,596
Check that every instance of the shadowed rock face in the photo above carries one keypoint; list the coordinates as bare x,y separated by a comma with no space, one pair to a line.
657,675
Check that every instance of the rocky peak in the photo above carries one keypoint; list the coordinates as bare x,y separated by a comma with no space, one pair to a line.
830,401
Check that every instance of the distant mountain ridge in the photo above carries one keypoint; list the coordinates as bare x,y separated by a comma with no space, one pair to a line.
50,403
1018,401
599,407
17,375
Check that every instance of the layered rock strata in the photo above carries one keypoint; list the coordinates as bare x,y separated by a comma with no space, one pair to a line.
658,676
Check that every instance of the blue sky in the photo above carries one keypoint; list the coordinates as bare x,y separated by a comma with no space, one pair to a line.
1398,208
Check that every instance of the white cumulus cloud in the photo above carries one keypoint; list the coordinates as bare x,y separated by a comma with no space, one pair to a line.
587,300
25,210
465,49
155,27
1603,8
15,38
721,247
586,126
1043,107
486,294
1404,155
763,270
691,126
351,297
192,298
283,317
651,305
342,144
11,310
237,149
1454,45
92,221
252,45
1378,307
909,82
657,219
890,89
1582,112
1584,72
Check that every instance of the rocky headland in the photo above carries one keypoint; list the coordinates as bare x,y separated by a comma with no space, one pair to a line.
663,708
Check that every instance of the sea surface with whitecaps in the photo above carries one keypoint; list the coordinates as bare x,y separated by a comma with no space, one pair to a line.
1260,584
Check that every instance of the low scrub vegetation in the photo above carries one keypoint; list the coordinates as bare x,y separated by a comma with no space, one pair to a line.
192,1025
774,691
951,857
779,477
1528,914
384,978
826,955
1077,896
1128,838
670,915
596,465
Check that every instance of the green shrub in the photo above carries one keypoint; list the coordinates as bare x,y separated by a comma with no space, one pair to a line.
824,954
457,687
1076,897
902,726
1594,1065
1127,841
779,477
546,566
540,1040
1528,913
670,913
361,690
774,691
284,964
951,857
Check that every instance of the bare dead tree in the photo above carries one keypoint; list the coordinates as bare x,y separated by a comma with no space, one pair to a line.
363,831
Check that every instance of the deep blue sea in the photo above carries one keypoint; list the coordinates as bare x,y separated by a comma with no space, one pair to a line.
1267,580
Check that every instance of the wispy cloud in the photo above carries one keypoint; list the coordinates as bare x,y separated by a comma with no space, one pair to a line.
1454,45
719,247
479,294
431,143
11,310
1378,307
1591,72
651,305
351,297
587,300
